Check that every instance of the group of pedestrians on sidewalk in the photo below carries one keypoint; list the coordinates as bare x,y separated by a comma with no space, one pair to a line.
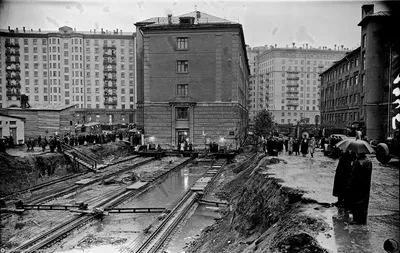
275,146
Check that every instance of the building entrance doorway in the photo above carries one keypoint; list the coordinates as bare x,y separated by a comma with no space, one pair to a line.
182,136
13,133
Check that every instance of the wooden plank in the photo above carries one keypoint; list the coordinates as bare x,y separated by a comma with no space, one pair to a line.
85,181
136,185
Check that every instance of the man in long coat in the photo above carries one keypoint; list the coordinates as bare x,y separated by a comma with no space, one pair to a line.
342,177
359,189
304,147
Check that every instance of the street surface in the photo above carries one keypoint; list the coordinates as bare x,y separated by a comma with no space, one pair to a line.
315,177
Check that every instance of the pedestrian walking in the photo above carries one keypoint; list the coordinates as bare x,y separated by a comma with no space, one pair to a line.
311,146
342,177
43,144
304,147
290,146
296,146
359,189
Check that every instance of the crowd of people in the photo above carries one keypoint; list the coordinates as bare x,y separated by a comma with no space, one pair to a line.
275,145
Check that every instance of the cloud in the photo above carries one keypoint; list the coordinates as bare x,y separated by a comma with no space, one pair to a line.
52,21
302,35
106,9
80,7
275,30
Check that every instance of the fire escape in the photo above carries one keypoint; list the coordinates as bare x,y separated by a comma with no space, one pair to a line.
292,91
110,75
13,78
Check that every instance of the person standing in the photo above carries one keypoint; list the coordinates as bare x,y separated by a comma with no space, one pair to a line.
359,189
290,146
304,147
311,146
342,176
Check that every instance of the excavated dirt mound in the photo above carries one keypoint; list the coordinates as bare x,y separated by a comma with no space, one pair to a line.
17,173
264,216
108,152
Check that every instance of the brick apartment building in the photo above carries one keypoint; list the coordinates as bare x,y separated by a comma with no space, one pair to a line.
192,80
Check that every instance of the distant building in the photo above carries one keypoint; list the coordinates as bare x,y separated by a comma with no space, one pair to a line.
12,126
286,82
192,82
93,70
341,89
367,97
45,119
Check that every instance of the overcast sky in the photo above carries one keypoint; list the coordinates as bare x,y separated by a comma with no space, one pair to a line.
318,23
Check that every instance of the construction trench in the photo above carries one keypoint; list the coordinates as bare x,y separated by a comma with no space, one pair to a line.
179,204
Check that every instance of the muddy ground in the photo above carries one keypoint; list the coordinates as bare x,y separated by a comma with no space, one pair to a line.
20,169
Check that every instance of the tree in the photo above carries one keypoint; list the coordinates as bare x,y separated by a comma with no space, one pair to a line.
263,123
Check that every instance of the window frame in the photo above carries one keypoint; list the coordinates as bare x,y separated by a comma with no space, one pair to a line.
180,113
178,43
182,63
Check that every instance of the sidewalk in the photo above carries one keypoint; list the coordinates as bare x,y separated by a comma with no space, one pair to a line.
315,176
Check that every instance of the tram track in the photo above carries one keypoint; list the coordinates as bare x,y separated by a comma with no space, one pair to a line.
56,234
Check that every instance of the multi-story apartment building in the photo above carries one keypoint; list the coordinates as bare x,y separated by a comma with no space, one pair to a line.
256,89
93,70
341,86
372,74
192,82
288,83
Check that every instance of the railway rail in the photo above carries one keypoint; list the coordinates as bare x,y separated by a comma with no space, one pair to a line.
108,201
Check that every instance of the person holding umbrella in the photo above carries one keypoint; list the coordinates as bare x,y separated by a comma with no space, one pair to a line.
342,176
359,186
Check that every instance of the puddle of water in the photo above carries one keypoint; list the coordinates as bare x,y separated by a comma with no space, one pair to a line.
202,217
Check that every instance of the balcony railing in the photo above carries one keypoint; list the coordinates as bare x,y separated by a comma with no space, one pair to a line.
15,69
113,78
112,94
109,46
9,60
112,70
10,52
291,103
105,54
292,98
292,85
110,102
293,78
13,93
15,77
106,86
292,92
105,62
292,71
13,85
12,44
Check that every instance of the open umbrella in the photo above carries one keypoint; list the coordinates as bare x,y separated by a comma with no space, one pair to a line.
357,146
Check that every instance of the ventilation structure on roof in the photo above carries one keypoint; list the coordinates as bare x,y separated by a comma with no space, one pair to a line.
186,20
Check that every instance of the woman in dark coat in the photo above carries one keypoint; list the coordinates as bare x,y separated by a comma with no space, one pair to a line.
304,147
359,189
342,176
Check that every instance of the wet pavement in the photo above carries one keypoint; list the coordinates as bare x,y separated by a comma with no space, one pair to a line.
315,177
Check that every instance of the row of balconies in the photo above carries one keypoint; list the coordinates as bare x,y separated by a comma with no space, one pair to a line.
292,92
9,60
12,52
105,46
13,77
114,102
292,85
292,103
110,70
112,78
106,86
110,94
292,71
292,98
13,93
13,69
111,62
293,78
112,54
13,85
12,44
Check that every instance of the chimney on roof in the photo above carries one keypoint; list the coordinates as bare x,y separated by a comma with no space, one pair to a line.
342,47
39,30
170,19
16,29
31,30
117,31
335,46
306,45
94,30
102,31
293,45
276,45
366,10
23,28
9,28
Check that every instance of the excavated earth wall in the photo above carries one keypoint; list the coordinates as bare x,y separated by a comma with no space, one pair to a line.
263,217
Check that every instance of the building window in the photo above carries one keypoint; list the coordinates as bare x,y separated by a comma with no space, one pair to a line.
364,40
182,66
182,43
182,90
182,113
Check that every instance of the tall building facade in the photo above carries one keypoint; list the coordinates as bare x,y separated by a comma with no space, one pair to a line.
372,77
95,71
341,89
192,81
287,82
